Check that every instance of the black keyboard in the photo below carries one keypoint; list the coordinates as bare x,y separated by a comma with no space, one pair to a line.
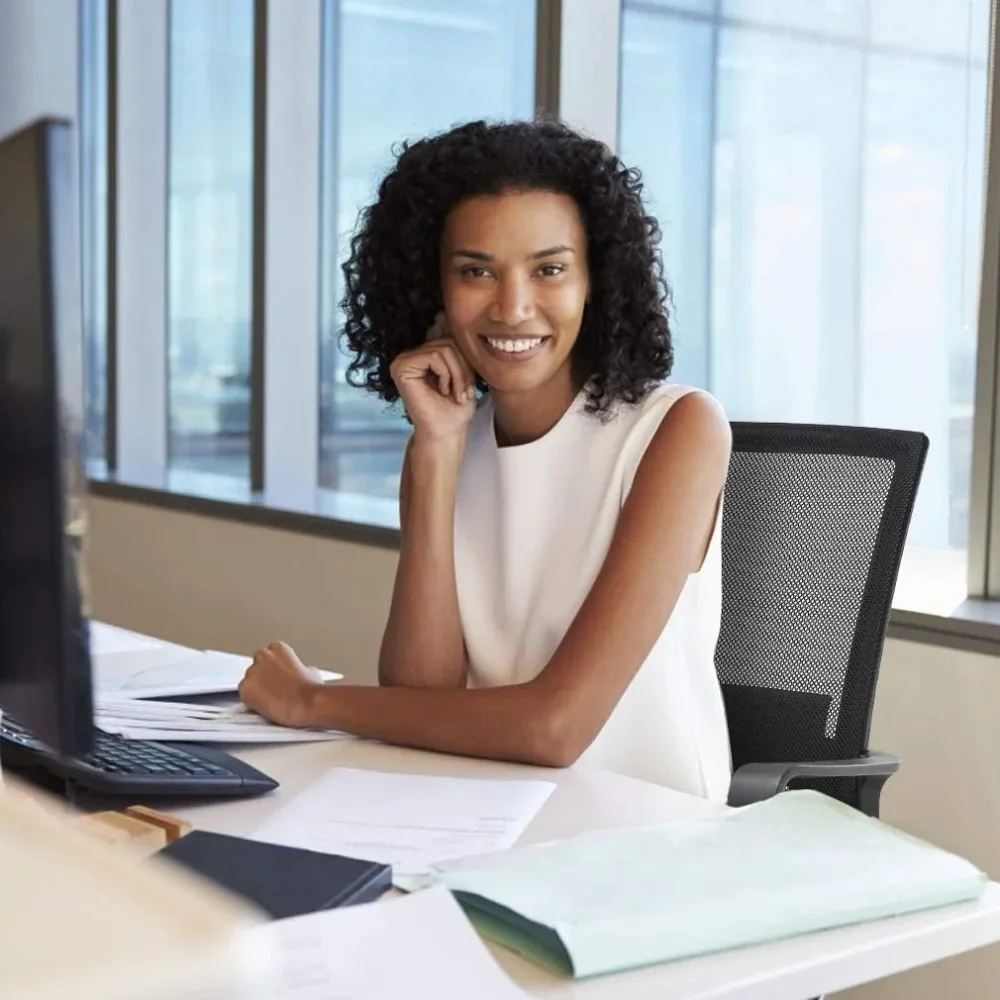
116,766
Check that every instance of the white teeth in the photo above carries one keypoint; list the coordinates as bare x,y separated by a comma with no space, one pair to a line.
513,346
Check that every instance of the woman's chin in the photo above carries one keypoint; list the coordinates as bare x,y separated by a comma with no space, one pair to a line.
521,380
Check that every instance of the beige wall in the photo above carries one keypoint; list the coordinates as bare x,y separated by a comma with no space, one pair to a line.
217,584
213,583
938,710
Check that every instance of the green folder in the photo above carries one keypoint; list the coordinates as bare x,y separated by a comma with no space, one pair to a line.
620,899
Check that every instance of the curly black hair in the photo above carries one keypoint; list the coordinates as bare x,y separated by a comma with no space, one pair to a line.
393,286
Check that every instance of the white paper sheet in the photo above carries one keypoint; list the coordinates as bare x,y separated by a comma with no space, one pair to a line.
419,947
139,719
274,735
189,673
408,821
106,639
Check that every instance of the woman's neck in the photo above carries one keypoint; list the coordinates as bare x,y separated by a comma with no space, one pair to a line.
523,417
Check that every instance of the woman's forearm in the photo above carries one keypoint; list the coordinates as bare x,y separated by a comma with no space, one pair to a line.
423,644
520,722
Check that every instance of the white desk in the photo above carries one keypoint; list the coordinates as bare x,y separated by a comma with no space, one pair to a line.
588,800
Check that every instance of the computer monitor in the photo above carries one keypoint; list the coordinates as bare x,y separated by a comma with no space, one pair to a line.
45,670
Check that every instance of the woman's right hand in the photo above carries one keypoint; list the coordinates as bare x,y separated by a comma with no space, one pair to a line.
437,386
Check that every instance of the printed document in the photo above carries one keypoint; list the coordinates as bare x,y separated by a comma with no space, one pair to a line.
172,671
173,721
420,947
105,639
408,821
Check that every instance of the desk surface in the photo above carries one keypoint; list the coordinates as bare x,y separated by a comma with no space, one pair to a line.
588,800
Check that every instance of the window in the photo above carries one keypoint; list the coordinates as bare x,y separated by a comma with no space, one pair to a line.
210,234
392,70
93,136
817,170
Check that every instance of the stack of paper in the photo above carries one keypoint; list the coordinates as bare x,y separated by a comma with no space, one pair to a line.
175,721
140,667
178,674
421,947
612,900
109,639
405,820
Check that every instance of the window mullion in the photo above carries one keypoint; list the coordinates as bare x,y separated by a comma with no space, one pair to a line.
140,237
288,248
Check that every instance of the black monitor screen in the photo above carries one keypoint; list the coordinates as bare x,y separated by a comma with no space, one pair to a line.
44,649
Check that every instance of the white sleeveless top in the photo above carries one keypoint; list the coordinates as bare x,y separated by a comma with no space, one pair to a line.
533,524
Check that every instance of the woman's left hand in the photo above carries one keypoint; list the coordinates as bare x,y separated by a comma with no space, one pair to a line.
278,686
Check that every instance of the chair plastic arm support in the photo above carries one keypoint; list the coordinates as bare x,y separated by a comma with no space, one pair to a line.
756,782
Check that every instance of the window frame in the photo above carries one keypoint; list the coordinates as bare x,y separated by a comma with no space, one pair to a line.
137,189
284,438
983,578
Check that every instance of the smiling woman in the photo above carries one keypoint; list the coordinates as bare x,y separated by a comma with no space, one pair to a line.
558,593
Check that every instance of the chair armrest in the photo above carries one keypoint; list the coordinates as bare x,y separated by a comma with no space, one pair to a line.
756,782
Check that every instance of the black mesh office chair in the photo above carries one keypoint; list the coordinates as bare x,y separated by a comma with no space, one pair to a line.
813,527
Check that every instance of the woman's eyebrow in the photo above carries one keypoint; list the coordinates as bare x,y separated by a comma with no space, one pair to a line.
472,254
552,251
481,255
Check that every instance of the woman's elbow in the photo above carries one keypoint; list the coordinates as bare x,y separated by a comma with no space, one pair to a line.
556,755
557,740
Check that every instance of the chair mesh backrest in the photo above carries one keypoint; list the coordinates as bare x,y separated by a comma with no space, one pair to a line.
814,522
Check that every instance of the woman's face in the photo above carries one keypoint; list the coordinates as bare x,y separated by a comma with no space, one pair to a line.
515,282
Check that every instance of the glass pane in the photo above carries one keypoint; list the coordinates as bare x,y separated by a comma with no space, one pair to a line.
397,69
210,234
93,137
831,17
957,28
924,154
668,70
822,208
785,268
682,6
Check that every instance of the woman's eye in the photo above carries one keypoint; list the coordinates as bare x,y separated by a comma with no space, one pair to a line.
551,270
475,272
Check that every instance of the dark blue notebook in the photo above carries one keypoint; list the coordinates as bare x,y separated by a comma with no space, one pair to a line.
282,881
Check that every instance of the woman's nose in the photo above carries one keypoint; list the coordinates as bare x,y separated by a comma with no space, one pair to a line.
513,303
